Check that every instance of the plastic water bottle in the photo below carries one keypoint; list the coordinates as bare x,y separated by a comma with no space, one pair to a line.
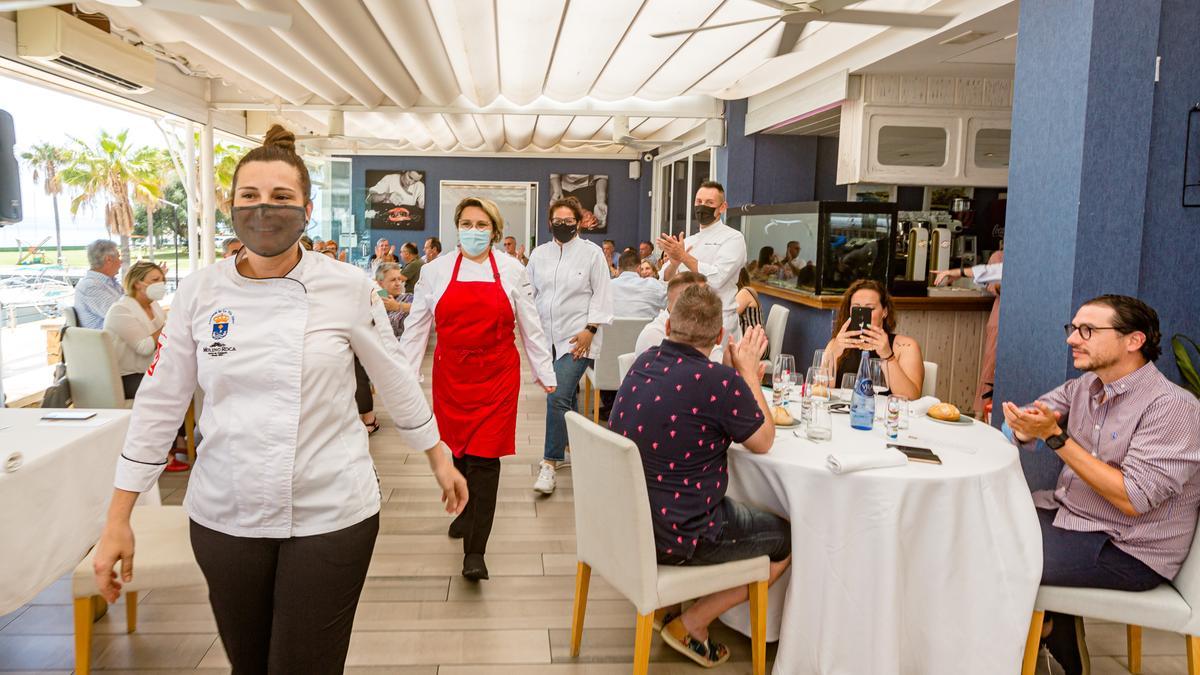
862,400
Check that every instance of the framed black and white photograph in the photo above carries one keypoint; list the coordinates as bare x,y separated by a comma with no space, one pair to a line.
592,192
396,200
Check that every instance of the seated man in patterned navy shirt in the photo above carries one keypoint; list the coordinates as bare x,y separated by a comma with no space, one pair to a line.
683,411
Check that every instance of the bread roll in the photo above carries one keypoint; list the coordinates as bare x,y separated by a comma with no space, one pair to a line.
945,411
782,416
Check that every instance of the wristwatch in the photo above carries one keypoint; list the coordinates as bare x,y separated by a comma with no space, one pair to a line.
590,328
1056,442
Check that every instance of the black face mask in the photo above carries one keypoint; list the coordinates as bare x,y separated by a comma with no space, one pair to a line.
269,229
705,215
564,233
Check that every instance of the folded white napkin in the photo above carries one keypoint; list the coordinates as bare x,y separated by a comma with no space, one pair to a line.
12,462
845,461
922,405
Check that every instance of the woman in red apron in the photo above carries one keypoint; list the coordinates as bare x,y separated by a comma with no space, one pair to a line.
475,299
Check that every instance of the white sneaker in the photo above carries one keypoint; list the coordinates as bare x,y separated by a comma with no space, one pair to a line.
545,480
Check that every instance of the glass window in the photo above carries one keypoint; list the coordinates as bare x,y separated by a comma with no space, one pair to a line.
991,148
781,249
858,249
912,146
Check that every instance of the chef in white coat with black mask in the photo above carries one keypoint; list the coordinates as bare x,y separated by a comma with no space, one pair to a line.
571,288
283,498
717,251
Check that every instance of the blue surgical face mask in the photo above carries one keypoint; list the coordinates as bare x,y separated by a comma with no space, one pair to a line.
474,241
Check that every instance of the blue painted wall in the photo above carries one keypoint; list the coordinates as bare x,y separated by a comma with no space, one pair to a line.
1096,177
629,201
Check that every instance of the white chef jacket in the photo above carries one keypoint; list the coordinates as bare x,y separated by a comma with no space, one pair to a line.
396,194
638,297
284,452
133,333
572,288
655,332
986,274
435,279
720,251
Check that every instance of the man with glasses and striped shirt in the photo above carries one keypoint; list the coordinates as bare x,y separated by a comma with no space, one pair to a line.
1124,509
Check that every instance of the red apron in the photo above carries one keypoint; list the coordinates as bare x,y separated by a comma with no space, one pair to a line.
476,367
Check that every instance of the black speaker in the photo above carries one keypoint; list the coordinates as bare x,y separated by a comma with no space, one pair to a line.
10,179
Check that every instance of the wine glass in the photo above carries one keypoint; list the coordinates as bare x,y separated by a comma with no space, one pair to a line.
783,374
878,375
848,385
819,357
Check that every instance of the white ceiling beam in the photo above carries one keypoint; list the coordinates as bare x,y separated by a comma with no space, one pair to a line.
686,107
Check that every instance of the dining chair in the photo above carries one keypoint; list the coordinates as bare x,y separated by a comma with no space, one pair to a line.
92,369
929,386
1172,607
70,318
614,538
164,559
624,363
619,337
776,328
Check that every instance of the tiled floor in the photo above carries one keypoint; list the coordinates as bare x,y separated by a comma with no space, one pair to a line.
418,616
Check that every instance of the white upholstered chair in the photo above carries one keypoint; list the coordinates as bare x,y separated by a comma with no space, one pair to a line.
1173,607
776,328
614,538
92,369
163,559
619,337
624,363
929,386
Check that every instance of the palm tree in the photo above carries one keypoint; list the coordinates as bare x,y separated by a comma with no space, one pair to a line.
46,159
149,188
109,171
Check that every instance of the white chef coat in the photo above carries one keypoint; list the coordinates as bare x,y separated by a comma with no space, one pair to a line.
986,274
133,333
655,332
720,251
284,452
572,288
638,297
435,279
394,192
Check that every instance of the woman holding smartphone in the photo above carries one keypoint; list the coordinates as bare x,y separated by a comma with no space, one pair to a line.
283,497
903,366
474,299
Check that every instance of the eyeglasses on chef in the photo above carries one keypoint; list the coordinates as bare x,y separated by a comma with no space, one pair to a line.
564,223
482,225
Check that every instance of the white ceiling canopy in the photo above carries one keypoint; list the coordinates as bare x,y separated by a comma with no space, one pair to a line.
489,75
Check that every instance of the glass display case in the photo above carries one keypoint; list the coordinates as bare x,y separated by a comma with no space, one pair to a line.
839,243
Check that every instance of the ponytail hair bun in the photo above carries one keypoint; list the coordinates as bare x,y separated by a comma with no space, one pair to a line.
281,138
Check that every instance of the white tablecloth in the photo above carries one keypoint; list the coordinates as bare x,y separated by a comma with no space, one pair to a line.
915,570
52,508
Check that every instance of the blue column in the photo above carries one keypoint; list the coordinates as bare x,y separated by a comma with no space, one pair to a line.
1082,118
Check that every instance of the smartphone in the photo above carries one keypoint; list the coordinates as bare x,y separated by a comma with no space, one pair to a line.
917,454
860,318
69,415
381,293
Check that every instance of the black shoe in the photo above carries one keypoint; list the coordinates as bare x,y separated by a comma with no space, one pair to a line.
457,529
474,568
1067,646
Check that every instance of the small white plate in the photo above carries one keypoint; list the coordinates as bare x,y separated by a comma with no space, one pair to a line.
962,421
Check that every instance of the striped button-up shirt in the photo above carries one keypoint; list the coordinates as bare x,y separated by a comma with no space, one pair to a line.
1149,428
94,294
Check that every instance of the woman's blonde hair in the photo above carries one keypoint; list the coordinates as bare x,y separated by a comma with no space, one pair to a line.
138,272
489,207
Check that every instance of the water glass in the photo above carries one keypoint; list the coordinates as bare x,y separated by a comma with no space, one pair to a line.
878,376
816,388
783,375
904,412
820,426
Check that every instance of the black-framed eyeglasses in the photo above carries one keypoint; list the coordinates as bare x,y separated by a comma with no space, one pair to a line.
563,223
1085,331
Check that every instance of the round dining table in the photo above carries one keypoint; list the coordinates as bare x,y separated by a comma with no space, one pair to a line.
920,569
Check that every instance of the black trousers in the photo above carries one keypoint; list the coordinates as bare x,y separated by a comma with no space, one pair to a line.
130,383
483,481
362,389
286,606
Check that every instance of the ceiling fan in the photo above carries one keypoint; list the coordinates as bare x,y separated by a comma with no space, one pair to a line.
795,15
622,137
202,8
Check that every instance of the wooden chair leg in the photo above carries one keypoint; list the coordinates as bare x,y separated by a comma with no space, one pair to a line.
131,602
758,627
587,392
189,432
1032,642
1193,654
641,645
596,406
583,577
83,635
1133,642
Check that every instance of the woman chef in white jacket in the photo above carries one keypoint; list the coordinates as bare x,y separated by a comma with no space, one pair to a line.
474,298
283,497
